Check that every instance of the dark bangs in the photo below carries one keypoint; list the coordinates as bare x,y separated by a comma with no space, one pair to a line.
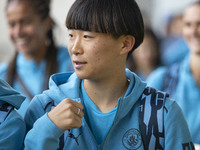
96,16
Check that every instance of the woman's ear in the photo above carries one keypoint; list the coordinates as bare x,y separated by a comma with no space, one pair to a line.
128,42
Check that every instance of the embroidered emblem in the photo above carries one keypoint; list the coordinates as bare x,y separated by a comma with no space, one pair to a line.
73,137
132,139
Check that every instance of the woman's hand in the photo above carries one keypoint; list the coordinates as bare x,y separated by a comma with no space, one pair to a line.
67,114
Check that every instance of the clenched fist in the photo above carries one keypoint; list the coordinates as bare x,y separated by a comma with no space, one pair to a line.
67,114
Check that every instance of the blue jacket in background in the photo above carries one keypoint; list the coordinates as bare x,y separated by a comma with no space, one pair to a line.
12,129
33,74
175,51
187,95
43,134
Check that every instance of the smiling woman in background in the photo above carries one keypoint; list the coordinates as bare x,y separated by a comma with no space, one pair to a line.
36,57
182,80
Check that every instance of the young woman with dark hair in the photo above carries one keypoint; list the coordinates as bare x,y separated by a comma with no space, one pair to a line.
98,106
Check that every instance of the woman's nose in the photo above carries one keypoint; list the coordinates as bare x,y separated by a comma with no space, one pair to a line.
18,30
76,47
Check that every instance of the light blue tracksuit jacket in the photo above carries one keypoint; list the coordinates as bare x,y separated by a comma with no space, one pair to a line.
43,134
12,129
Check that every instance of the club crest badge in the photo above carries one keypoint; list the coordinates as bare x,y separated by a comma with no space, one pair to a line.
132,139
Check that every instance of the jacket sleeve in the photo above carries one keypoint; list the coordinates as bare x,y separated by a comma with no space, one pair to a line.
177,135
12,132
42,133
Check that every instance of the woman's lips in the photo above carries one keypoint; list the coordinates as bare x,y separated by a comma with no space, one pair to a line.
78,64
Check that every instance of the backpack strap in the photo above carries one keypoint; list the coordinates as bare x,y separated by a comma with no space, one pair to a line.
151,118
5,109
170,79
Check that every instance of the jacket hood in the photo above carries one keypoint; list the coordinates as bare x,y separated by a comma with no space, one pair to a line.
67,85
9,95
63,85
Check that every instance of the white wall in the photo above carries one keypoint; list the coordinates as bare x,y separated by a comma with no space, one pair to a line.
163,9
5,44
59,9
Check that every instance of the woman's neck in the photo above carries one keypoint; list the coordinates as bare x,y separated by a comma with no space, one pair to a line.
105,93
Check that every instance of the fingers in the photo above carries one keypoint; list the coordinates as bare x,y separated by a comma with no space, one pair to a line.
67,114
78,121
78,109
77,104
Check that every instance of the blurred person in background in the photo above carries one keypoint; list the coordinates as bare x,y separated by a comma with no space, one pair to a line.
12,125
146,58
37,57
173,30
173,46
182,80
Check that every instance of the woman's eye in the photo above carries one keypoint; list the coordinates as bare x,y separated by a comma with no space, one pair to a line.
70,35
26,21
87,36
187,24
11,24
